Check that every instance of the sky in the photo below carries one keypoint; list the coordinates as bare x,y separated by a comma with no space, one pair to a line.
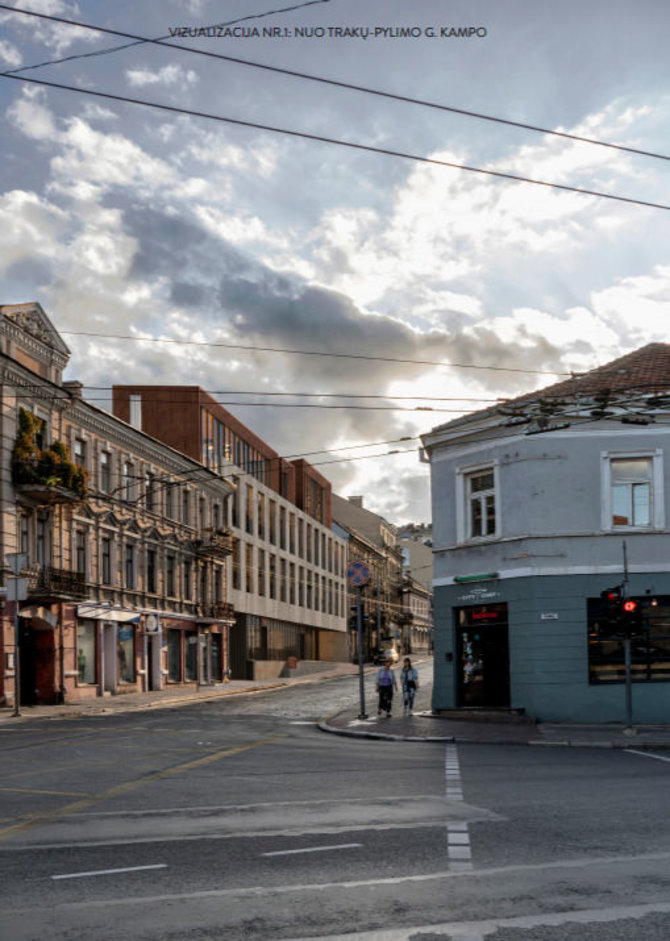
218,247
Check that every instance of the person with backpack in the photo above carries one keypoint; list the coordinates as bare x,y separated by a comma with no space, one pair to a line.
409,683
385,684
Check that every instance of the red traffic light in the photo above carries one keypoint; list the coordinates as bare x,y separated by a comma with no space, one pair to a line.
629,606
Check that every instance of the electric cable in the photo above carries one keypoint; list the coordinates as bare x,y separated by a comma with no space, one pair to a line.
323,139
160,41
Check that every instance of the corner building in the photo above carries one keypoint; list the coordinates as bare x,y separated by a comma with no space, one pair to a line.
123,564
540,505
287,574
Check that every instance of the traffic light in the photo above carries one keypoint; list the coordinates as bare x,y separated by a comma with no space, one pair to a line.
631,617
609,621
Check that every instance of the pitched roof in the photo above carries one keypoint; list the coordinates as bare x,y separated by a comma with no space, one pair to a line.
631,388
644,370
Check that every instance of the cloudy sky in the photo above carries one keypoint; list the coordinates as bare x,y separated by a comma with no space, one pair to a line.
235,242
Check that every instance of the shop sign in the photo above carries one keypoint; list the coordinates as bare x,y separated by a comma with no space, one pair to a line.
480,595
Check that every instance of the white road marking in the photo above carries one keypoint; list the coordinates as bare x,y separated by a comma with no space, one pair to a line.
458,835
108,872
646,754
313,849
478,874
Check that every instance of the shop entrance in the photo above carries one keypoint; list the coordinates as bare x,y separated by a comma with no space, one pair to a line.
483,656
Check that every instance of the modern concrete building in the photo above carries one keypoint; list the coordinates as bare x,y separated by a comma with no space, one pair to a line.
116,537
286,580
536,504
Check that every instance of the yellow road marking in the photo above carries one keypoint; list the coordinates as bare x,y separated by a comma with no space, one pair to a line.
94,799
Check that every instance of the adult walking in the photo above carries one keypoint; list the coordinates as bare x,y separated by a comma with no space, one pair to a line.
409,683
385,683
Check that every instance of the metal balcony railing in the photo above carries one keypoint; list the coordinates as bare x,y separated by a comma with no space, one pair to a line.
216,543
48,581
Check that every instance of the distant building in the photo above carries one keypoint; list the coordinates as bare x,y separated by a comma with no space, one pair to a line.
533,504
373,539
286,580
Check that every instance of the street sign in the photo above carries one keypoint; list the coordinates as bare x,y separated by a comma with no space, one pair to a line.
17,589
358,574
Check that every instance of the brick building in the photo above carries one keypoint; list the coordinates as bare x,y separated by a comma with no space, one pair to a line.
287,573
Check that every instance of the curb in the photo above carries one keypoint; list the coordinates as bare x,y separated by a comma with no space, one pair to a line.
644,745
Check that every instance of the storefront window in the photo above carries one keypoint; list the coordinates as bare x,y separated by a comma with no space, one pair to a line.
191,659
86,651
125,649
174,655
650,648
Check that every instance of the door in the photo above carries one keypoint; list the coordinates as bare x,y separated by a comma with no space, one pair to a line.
483,657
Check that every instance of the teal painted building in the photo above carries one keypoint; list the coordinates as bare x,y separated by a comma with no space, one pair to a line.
538,507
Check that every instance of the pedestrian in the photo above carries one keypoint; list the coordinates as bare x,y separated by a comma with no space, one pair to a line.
386,683
409,683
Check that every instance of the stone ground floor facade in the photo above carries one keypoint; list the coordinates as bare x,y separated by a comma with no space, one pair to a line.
71,652
544,644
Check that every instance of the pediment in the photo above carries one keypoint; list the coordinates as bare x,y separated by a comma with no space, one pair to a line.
31,320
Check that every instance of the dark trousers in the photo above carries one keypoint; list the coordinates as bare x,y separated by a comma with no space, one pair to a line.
385,698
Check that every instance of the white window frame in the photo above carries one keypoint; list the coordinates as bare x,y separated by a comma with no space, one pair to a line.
657,507
463,474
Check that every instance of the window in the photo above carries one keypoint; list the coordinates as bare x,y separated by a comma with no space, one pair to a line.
477,506
249,566
150,491
80,552
127,482
250,508
86,652
272,508
261,515
188,578
631,491
185,508
129,565
106,560
80,452
169,576
236,563
261,571
650,650
105,471
151,571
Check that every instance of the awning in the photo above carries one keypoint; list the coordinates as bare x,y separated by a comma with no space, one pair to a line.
40,612
98,612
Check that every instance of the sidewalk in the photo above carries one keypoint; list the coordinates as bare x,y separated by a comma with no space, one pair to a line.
493,728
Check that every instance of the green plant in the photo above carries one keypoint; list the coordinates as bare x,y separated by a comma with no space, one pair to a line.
50,467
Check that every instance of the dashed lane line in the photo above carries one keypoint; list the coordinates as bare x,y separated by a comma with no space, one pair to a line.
107,872
314,849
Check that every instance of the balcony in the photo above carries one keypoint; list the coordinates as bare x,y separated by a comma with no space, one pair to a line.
47,582
218,610
215,543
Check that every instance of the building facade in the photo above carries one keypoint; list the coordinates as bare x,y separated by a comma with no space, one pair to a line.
373,540
286,580
540,506
117,538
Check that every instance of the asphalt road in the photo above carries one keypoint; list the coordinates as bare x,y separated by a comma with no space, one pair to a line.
239,819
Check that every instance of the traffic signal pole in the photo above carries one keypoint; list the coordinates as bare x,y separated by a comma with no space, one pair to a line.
361,673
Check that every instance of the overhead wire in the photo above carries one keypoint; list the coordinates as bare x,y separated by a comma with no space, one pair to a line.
275,349
324,139
161,41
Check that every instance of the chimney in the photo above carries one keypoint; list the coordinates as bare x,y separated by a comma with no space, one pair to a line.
357,501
